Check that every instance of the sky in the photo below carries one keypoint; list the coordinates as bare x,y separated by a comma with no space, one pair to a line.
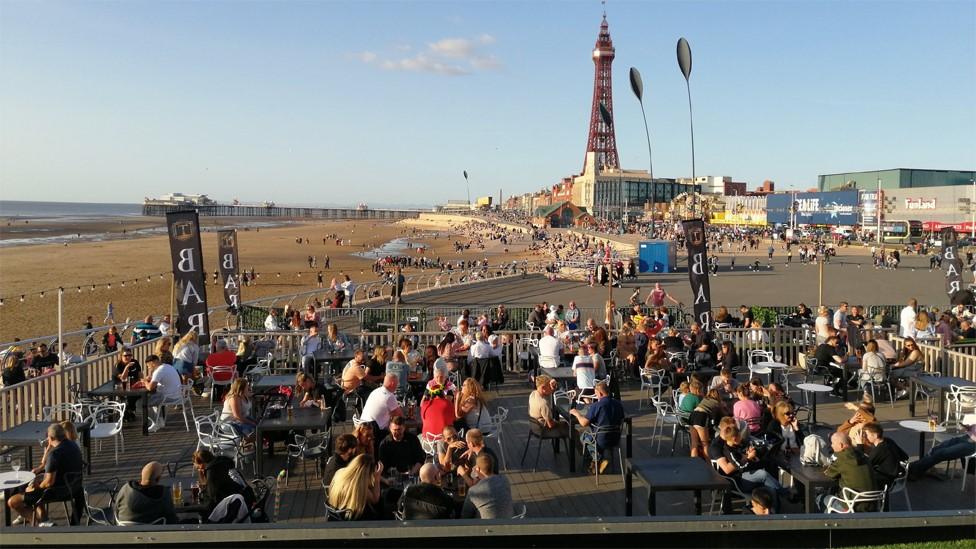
316,102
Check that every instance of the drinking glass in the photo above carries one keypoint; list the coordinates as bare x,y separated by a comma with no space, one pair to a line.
178,493
15,465
195,491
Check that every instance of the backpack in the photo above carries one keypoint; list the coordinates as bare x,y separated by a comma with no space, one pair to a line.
812,452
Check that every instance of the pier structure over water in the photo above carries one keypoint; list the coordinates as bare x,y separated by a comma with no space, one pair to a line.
231,210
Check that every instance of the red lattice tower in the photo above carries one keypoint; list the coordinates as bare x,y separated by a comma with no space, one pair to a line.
602,140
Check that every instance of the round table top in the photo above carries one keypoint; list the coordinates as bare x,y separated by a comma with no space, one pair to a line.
761,370
770,364
922,426
815,387
15,479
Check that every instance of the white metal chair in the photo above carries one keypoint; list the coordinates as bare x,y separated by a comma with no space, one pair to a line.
965,469
106,422
653,382
63,411
520,511
428,442
588,440
734,490
181,401
756,356
867,384
665,415
845,502
218,437
497,420
160,520
227,372
959,401
305,449
262,368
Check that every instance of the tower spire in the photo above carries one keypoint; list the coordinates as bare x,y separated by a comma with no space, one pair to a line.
602,139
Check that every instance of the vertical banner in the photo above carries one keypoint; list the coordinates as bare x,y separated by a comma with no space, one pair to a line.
188,275
950,255
227,257
698,271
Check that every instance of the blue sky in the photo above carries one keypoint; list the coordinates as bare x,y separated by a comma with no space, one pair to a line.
387,102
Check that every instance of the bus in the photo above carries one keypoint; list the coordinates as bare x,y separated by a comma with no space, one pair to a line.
902,232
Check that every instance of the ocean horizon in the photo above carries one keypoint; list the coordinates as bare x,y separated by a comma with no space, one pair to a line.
26,209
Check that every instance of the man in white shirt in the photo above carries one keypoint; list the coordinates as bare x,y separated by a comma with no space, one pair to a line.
349,288
381,406
165,386
572,316
481,348
840,318
165,325
907,322
585,369
550,349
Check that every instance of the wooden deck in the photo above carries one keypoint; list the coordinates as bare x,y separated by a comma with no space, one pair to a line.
551,491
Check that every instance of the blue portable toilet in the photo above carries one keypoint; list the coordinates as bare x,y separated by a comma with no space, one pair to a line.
656,256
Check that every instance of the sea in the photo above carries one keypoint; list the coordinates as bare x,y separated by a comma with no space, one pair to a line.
17,209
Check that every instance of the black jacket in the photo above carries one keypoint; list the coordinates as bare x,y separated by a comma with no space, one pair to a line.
426,501
222,482
884,459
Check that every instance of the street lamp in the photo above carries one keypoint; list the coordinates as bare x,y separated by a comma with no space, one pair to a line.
468,185
684,63
637,85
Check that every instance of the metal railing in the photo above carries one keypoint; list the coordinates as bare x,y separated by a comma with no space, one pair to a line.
948,362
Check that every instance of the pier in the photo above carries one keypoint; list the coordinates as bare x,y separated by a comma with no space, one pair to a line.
231,210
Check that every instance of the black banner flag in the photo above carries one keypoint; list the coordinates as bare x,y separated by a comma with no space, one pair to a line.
188,275
698,271
227,257
950,255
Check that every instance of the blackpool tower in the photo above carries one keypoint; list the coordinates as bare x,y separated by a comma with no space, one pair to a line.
602,140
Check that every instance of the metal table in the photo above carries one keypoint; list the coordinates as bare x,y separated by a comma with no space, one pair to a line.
269,383
31,433
811,477
9,481
940,384
110,390
813,389
670,475
303,419
922,427
333,359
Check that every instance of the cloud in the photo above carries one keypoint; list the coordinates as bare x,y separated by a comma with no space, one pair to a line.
447,56
422,63
456,48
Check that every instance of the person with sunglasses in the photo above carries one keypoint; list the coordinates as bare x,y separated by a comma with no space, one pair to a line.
128,370
910,362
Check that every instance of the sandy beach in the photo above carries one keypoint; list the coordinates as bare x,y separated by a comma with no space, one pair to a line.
28,270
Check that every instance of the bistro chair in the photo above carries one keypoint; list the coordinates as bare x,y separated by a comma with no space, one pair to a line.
106,422
98,493
848,498
497,421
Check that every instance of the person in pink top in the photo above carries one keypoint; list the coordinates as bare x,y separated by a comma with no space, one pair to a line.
747,410
658,295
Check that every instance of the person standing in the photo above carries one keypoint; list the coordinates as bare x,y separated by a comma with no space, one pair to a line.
907,319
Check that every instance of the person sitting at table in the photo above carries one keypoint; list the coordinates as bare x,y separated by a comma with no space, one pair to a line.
221,357
540,410
704,351
346,448
145,501
772,394
428,359
463,337
627,347
689,401
761,501
186,353
884,455
426,500
491,496
724,383
829,357
436,411
785,429
475,446
365,439
873,366
471,406
756,335
218,479
851,469
450,448
376,365
401,450
908,365
550,349
355,488
237,407
399,367
673,343
411,356
13,370
728,358
747,410
481,348
655,358
585,371
70,433
164,385
446,346
353,376
947,450
64,464
310,317
335,342
381,406
703,420
311,343
128,370
738,459
863,414
606,413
